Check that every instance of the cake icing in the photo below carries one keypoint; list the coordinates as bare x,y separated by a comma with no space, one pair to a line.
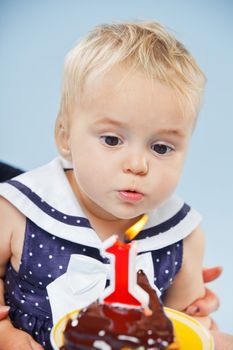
108,327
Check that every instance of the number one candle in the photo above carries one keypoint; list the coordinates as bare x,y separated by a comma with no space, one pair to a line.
123,288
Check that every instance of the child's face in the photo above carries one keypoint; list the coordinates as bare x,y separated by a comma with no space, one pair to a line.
128,141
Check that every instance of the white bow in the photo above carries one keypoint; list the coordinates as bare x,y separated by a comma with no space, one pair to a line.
84,282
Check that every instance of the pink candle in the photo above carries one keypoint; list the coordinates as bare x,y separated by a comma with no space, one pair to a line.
123,287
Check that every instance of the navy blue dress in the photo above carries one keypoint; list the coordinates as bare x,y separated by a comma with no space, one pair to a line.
52,236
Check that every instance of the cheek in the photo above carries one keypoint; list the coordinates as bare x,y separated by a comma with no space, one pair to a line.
174,173
171,181
96,167
167,178
91,173
85,177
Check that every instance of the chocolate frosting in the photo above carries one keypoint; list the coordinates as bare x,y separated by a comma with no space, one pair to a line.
104,326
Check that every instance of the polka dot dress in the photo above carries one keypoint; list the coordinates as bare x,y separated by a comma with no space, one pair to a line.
45,257
52,235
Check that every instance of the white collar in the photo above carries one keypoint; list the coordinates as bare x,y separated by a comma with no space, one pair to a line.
44,195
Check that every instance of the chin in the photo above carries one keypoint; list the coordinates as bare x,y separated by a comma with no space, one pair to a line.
122,212
128,214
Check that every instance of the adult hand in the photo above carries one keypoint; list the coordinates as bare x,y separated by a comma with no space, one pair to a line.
4,310
9,334
223,341
210,302
15,339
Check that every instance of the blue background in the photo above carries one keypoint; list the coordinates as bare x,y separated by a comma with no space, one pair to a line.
34,38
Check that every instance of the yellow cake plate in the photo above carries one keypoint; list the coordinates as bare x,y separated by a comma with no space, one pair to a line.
190,334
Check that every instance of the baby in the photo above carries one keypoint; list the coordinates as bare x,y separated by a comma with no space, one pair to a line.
130,99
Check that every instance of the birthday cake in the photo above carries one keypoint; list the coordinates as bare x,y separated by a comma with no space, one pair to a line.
105,326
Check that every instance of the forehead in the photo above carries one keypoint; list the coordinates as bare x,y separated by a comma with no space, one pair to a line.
121,93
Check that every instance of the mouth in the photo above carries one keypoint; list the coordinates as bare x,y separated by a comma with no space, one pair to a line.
132,196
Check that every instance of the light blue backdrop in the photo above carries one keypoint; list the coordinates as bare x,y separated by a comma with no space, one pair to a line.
34,38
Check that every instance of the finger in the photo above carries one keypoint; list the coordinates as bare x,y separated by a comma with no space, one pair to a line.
4,310
35,345
214,326
210,274
223,341
204,306
205,321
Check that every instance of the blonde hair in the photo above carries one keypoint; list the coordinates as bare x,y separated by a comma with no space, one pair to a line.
144,46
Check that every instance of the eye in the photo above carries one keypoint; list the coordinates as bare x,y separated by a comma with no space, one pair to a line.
111,140
162,148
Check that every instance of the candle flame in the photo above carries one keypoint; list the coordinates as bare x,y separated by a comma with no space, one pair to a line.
132,232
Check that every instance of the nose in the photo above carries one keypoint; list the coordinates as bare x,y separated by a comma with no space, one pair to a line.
135,164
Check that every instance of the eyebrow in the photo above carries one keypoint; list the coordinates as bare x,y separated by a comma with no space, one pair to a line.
109,121
175,132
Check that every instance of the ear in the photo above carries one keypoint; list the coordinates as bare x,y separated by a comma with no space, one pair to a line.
62,139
